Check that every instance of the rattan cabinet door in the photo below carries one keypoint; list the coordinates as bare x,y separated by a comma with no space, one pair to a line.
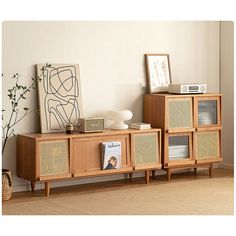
179,113
145,150
54,157
208,145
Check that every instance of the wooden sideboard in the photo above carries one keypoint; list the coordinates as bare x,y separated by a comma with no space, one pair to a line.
49,157
191,129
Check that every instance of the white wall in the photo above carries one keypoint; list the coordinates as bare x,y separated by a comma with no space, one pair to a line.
111,58
227,89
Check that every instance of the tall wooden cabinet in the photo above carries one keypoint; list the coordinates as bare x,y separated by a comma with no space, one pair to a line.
191,126
48,157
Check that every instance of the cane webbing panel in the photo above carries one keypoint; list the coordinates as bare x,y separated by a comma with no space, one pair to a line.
146,149
208,145
54,157
180,114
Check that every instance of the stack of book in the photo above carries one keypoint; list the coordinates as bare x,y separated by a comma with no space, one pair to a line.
177,152
140,125
111,155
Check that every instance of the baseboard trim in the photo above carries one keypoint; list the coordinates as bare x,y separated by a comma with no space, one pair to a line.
226,166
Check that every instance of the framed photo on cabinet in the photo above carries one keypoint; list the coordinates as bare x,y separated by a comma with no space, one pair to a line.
158,72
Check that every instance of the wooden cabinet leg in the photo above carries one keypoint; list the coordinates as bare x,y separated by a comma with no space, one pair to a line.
32,186
195,171
168,174
130,176
153,173
47,189
147,176
210,170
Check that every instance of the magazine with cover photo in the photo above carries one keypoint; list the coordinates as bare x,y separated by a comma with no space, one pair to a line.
111,155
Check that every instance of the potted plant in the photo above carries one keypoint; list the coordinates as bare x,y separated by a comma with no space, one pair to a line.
16,94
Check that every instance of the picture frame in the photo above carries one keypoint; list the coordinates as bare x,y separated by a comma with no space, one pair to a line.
158,72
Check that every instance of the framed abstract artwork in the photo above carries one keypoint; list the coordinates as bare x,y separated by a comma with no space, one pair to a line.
158,72
60,100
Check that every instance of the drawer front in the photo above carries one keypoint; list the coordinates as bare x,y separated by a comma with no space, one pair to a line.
207,145
54,157
145,149
179,113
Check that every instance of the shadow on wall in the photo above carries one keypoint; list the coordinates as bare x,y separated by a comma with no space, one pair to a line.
131,99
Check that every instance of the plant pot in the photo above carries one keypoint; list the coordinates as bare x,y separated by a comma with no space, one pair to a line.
7,188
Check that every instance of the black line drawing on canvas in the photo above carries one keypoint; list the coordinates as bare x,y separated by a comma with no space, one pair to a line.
61,93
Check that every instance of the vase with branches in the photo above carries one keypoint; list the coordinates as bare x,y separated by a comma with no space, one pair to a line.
16,94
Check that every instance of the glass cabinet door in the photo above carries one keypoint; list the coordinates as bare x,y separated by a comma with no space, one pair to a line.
179,113
179,147
208,112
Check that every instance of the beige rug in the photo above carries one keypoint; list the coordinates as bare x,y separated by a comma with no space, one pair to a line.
185,194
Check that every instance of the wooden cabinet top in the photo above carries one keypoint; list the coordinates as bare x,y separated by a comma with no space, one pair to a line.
106,132
184,95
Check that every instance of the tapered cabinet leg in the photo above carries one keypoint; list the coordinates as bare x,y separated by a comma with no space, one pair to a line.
195,171
210,170
130,176
33,186
168,174
47,189
147,174
153,173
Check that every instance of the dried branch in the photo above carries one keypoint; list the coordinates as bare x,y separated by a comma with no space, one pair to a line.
16,94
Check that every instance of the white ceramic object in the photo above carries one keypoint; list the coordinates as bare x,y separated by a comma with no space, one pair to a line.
119,117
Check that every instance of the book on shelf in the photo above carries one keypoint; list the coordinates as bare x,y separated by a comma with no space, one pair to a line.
140,125
111,155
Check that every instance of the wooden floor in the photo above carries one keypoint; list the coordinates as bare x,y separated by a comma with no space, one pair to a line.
185,194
